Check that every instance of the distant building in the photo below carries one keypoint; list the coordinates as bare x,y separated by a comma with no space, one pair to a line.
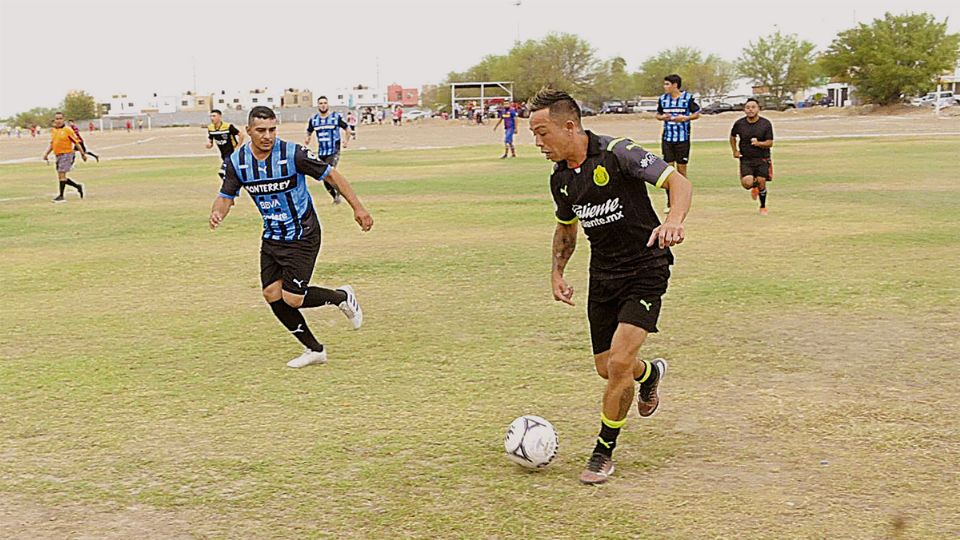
229,100
358,96
398,95
293,97
951,80
198,102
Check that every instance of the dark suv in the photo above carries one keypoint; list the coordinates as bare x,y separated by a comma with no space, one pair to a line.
614,107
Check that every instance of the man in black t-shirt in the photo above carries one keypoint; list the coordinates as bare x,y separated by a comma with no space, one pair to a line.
224,134
755,135
602,183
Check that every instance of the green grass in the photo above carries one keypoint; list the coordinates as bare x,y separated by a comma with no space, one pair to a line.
142,375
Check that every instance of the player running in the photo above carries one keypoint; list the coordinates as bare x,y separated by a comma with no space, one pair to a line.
327,125
224,134
677,109
508,115
83,145
274,173
601,182
63,144
755,134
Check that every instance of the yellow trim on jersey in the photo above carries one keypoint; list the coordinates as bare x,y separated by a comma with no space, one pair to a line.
571,222
614,142
663,176
615,424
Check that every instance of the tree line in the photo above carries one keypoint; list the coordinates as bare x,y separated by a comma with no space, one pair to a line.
77,105
887,60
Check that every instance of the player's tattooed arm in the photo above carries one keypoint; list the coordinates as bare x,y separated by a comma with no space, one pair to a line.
360,213
221,207
564,244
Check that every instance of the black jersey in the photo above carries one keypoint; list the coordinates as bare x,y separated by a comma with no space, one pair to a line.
225,137
762,129
608,195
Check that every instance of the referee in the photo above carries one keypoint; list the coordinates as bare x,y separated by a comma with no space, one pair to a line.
326,124
601,183
274,173
676,109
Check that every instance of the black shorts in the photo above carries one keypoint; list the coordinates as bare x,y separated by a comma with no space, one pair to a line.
330,160
633,300
757,168
676,152
290,261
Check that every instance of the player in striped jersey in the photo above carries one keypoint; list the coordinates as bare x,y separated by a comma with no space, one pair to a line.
326,124
274,173
676,109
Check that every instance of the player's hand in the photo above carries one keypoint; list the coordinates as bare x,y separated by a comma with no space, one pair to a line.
754,142
363,218
680,118
215,219
46,158
84,156
209,145
737,154
561,291
666,235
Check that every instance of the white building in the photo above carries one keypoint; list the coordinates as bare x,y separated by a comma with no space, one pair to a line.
359,96
235,100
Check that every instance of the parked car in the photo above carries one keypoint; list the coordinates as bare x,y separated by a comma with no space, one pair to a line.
586,110
946,98
415,114
718,107
613,107
645,105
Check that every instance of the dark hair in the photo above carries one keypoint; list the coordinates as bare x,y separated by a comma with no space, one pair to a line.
753,99
322,97
218,111
70,120
558,101
261,112
58,112
673,78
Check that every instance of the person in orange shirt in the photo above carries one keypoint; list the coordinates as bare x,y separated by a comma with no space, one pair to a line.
62,143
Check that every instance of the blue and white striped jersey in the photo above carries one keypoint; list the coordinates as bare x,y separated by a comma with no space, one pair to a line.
278,186
327,129
676,106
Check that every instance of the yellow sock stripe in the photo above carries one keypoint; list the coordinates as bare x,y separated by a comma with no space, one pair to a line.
646,372
603,442
615,142
663,176
615,424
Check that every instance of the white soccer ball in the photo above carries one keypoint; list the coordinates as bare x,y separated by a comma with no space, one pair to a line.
531,442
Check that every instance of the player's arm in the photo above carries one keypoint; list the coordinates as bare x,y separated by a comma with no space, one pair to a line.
694,110
229,189
767,141
79,145
309,164
46,155
499,121
671,232
733,146
346,132
564,244
306,142
238,133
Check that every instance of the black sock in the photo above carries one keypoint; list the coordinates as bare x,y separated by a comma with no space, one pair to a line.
62,186
319,296
70,182
763,198
607,440
291,318
650,374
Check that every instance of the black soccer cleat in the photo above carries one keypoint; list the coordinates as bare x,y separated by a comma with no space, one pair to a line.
648,397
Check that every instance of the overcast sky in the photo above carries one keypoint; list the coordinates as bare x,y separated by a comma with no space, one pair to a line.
105,47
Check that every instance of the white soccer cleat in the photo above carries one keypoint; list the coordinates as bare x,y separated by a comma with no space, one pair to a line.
309,357
351,308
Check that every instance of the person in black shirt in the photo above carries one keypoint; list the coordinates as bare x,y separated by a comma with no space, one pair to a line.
755,135
601,182
224,134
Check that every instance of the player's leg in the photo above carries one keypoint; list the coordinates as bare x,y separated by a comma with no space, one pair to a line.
332,160
669,155
274,264
88,152
762,193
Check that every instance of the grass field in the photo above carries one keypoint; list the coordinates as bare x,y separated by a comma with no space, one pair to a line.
812,394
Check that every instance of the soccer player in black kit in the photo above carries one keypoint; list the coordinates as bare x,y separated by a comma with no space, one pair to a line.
755,135
224,134
601,182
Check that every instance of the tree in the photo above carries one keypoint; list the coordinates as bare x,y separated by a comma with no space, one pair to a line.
715,76
682,61
79,105
40,116
782,63
893,57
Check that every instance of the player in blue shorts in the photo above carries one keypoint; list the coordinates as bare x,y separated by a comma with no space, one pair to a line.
508,115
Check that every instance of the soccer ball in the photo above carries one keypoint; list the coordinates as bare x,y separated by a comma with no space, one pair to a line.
531,442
